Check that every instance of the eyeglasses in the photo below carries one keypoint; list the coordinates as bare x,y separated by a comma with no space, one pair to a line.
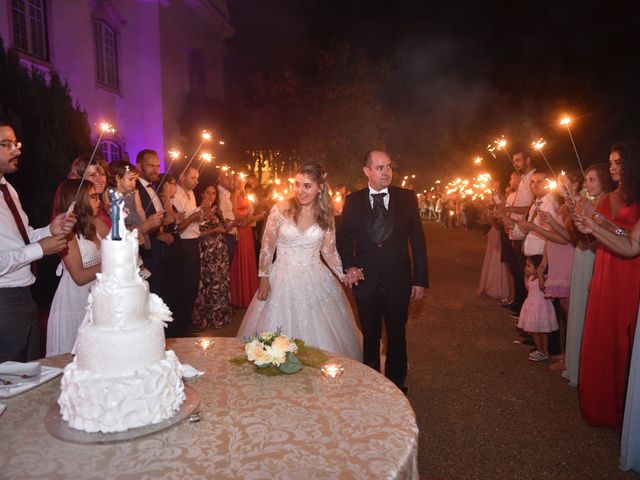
11,145
381,168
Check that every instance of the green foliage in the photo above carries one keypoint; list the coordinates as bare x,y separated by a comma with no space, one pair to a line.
52,129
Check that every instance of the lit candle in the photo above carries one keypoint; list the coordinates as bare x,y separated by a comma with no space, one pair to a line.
332,370
204,344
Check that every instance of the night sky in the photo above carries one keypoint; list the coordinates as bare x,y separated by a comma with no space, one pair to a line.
461,73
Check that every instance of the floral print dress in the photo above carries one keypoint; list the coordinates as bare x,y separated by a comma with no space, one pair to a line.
213,304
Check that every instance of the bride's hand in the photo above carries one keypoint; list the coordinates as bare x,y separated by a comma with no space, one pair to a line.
264,289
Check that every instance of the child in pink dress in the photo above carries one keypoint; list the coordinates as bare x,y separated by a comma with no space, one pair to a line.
537,316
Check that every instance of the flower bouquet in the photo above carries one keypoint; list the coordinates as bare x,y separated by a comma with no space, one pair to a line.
273,353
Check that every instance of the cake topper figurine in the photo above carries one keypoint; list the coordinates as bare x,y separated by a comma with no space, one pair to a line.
117,214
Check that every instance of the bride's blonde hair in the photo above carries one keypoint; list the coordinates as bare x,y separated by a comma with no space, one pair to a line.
322,211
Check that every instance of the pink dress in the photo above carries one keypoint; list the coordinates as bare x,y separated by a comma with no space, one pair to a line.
494,280
560,258
537,314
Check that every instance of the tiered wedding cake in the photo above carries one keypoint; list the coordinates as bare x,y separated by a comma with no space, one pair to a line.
122,377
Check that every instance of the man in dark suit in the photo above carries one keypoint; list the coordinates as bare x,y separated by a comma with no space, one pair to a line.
378,225
149,166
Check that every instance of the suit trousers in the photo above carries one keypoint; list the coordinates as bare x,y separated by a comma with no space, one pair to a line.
185,280
517,270
19,329
392,309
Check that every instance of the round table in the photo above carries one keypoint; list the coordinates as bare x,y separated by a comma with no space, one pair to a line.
300,426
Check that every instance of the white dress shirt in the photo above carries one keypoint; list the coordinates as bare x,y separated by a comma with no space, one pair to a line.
155,199
523,197
385,199
15,256
226,207
185,202
534,243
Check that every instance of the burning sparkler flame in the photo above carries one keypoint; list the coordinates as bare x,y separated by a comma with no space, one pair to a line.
206,136
565,120
539,144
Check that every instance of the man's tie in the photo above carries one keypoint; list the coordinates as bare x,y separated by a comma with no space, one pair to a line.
16,216
380,225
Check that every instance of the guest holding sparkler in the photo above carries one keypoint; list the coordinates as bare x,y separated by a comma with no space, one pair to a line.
213,307
612,309
524,165
625,246
80,263
96,173
597,182
244,270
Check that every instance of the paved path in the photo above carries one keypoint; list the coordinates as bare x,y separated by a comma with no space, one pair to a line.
484,410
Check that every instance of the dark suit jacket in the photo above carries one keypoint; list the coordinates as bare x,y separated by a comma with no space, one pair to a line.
387,263
152,257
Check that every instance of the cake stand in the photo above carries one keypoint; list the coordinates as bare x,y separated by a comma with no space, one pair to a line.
60,428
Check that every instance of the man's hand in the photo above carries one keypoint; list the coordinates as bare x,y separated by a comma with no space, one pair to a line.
353,276
152,222
165,238
417,293
264,289
55,244
62,224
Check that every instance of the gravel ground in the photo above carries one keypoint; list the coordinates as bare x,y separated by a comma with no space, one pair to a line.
484,410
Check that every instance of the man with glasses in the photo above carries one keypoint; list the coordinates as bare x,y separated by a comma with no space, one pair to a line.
20,247
378,225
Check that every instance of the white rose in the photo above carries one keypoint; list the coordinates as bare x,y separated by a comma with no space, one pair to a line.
283,343
276,356
256,353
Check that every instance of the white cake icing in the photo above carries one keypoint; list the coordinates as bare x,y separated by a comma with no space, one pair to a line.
122,377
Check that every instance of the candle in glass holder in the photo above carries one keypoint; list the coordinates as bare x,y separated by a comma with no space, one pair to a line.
204,345
332,370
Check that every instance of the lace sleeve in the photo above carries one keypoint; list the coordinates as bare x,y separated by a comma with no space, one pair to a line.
330,253
269,241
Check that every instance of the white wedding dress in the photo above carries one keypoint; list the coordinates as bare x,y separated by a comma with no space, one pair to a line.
69,302
306,300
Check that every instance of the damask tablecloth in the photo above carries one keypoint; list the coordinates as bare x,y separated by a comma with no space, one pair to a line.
299,426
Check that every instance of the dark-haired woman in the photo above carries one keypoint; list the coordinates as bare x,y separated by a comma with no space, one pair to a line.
213,307
298,292
612,309
79,265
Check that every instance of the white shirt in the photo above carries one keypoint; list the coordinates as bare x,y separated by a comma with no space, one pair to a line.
385,199
226,206
155,199
523,197
534,243
185,202
15,256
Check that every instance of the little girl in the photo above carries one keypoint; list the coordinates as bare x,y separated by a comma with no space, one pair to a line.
537,316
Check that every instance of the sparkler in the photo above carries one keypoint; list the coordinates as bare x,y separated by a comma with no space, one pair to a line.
477,160
205,157
206,136
104,128
501,144
566,121
539,145
174,155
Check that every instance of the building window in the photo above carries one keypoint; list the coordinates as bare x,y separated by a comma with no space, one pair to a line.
111,151
30,27
106,54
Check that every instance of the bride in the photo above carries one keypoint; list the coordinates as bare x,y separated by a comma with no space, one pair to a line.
297,292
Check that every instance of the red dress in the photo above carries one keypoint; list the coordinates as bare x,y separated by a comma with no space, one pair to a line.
609,327
244,268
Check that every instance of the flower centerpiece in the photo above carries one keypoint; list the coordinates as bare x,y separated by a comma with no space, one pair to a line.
273,353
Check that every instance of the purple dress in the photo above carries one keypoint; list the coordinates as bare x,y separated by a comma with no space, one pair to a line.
537,314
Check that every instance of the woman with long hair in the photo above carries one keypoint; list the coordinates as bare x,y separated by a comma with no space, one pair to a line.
96,173
213,307
79,266
297,292
612,309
